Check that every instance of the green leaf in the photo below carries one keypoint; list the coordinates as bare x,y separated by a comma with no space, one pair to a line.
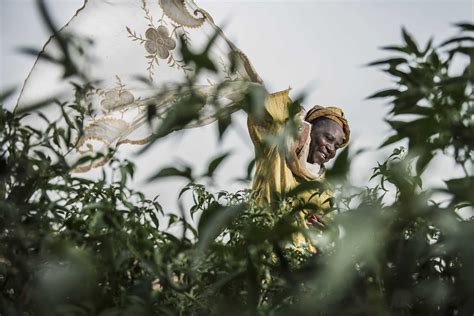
201,60
469,51
185,110
126,171
154,219
458,40
400,49
429,45
390,61
184,172
130,168
341,166
184,190
385,93
214,220
222,124
423,160
406,101
417,131
410,43
396,124
64,42
465,26
414,109
461,189
392,139
40,54
404,78
95,205
215,163
250,168
433,58
35,105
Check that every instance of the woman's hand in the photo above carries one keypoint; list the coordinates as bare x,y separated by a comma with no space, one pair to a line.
315,221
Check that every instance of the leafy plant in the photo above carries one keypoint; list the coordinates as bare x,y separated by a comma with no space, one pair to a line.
72,246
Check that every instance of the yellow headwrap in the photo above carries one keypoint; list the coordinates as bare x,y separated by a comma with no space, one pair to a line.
333,113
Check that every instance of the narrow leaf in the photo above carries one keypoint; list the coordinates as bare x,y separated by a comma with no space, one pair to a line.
384,93
186,172
390,61
411,44
215,163
457,40
465,26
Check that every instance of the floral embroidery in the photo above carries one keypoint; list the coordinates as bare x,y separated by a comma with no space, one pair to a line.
116,98
176,11
158,42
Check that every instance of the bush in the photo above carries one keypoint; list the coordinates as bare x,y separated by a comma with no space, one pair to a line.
71,246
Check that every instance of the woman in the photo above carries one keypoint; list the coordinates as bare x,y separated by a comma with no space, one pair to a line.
281,166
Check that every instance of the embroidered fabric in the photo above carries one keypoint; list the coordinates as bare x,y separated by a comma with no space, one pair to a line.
132,61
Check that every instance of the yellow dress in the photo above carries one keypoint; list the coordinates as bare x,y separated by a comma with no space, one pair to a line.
281,163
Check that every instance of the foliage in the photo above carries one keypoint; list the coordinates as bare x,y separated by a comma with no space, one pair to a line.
71,246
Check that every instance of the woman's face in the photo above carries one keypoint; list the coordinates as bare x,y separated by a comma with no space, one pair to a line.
326,137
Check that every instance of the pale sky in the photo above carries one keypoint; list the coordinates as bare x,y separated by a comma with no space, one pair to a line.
320,47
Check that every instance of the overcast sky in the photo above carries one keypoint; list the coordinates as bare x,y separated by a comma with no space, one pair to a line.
320,47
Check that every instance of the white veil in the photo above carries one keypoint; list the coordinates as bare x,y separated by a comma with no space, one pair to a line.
128,54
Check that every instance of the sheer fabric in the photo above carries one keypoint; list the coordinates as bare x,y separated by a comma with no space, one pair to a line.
132,60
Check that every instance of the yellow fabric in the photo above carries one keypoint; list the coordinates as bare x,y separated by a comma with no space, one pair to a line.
274,174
